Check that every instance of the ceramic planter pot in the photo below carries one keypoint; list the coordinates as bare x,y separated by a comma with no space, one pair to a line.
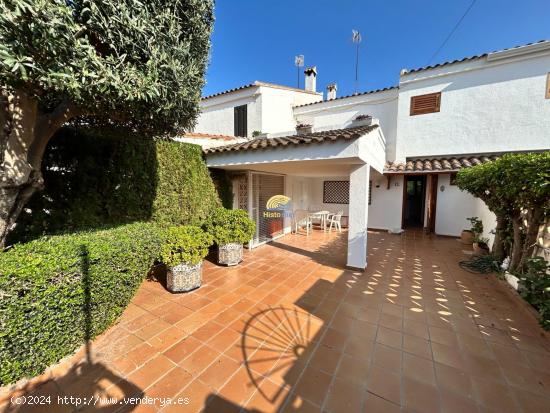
230,254
184,277
467,237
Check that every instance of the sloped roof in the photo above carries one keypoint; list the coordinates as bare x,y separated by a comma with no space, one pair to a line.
444,164
259,83
294,140
368,92
467,59
197,135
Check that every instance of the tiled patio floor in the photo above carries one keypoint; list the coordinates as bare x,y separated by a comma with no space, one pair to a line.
291,330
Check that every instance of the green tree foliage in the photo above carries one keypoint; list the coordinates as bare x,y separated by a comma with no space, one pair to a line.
516,187
134,63
112,177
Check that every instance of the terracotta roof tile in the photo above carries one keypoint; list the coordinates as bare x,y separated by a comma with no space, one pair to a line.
368,92
437,164
198,135
305,139
465,59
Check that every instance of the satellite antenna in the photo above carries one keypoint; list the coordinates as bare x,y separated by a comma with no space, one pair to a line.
356,38
299,62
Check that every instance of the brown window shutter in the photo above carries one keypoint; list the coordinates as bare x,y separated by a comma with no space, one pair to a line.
548,86
422,104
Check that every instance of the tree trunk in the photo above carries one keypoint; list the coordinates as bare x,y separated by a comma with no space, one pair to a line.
24,135
534,220
498,243
517,248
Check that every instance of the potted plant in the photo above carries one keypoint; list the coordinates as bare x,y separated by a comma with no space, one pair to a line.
230,229
183,250
479,244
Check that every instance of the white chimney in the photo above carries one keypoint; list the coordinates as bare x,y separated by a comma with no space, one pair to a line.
331,91
311,78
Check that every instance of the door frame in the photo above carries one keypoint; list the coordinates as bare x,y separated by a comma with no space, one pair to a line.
431,202
404,196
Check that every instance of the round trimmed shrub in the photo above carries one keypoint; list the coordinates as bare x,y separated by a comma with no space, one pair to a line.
185,244
230,226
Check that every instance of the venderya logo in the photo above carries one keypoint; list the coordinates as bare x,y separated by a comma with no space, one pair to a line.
278,206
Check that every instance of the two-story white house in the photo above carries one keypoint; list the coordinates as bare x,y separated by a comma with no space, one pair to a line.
385,158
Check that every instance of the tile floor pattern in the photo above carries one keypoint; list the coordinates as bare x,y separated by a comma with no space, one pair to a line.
290,330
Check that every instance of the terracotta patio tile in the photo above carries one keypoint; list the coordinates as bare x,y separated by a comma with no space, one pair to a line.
182,349
387,357
454,380
344,397
495,395
239,388
452,402
171,384
447,355
296,403
417,346
530,402
313,385
196,394
208,331
418,368
419,396
199,360
385,384
376,404
389,337
219,372
167,338
268,398
325,359
151,371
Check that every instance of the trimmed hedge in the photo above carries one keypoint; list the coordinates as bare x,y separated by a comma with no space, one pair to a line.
57,292
112,177
230,225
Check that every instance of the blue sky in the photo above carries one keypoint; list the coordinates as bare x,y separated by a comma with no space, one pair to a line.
258,39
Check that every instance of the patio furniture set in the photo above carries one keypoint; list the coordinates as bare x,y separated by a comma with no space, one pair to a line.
326,220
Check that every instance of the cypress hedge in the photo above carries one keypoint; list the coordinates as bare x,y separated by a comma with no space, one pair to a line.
59,291
111,177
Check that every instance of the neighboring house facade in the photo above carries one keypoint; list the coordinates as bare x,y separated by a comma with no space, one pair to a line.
386,158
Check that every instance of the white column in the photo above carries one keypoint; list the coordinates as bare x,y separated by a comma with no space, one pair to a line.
358,216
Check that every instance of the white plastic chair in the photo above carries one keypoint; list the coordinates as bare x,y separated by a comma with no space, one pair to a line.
336,221
302,219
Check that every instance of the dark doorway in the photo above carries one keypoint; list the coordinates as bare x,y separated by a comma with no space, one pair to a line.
414,195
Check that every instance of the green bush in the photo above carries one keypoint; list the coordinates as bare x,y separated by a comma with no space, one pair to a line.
112,177
536,288
59,291
230,225
185,244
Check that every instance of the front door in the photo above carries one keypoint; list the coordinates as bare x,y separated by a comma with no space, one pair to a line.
414,196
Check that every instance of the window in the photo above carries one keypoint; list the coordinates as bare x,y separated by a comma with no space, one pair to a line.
239,116
452,179
548,86
370,192
422,104
336,192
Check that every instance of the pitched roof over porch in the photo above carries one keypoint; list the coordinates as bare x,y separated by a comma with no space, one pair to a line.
349,152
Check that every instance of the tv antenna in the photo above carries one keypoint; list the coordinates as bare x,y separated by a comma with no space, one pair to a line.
356,38
299,62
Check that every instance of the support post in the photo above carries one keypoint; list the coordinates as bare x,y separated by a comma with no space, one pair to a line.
358,217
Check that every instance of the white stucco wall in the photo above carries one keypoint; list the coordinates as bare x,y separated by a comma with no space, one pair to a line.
455,206
269,110
337,114
385,211
277,109
486,106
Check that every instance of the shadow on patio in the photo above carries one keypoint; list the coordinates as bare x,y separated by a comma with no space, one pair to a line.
291,330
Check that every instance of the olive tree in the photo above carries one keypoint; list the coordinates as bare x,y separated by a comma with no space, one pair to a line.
516,187
135,63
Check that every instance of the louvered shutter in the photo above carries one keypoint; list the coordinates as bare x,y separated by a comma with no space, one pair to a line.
422,104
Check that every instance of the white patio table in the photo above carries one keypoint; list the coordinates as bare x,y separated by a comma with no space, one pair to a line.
322,216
